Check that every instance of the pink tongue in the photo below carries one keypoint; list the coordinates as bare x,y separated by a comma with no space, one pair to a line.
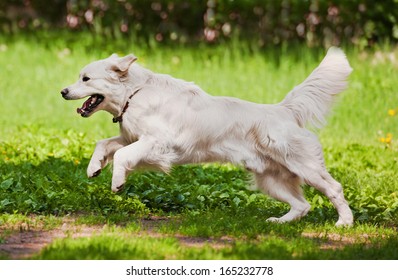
85,106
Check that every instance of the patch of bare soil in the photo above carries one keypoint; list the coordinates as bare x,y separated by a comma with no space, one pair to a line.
337,241
28,241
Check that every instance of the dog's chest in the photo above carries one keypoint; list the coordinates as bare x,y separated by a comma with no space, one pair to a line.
129,131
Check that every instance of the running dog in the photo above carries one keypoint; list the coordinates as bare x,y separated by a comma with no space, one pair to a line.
166,121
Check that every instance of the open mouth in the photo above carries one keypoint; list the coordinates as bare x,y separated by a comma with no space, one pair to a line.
90,104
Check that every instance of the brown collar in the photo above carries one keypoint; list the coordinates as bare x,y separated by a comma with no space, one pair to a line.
120,117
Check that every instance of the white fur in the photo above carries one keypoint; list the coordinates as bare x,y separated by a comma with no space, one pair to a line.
170,121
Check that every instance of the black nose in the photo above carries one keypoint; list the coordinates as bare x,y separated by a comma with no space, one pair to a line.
64,92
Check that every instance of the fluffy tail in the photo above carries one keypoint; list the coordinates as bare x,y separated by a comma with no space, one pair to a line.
311,100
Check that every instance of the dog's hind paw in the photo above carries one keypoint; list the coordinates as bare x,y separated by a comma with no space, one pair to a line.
341,223
276,220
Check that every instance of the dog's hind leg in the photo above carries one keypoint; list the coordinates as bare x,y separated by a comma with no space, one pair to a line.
281,184
308,163
324,182
103,154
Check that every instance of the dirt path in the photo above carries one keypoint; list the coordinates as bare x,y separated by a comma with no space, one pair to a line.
26,242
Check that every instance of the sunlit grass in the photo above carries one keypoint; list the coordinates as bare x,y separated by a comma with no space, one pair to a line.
280,242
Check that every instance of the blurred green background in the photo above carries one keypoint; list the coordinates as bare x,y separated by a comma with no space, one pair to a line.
312,22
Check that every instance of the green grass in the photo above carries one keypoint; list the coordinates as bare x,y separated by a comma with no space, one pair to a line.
116,246
251,239
45,148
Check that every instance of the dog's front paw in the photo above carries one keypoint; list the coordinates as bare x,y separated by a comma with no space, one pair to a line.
93,171
118,180
117,189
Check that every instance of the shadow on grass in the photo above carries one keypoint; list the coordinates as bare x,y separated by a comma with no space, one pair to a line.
58,187
309,249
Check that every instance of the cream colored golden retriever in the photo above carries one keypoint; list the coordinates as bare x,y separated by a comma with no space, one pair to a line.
166,121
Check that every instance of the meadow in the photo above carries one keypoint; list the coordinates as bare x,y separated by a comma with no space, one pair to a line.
196,211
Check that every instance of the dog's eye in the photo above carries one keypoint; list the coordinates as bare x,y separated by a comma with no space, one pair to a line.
85,79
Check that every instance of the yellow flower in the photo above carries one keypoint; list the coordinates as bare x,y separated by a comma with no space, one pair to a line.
392,112
76,162
388,138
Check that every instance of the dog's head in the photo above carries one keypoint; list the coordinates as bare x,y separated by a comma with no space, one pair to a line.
103,82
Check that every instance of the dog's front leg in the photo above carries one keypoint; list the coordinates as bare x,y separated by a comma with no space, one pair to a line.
103,154
127,158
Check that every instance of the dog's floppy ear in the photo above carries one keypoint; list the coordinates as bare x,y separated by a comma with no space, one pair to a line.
121,65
